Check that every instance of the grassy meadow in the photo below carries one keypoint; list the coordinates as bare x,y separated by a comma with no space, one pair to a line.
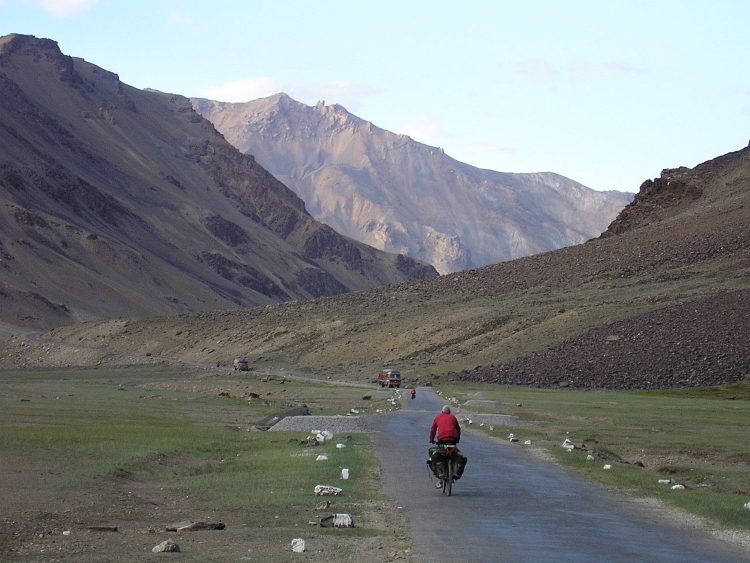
143,448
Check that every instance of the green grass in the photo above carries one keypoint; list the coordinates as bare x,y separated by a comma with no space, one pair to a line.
170,434
695,437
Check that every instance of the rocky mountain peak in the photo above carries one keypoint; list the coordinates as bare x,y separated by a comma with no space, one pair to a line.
396,194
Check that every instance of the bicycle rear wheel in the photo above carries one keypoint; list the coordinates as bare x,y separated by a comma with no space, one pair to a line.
448,482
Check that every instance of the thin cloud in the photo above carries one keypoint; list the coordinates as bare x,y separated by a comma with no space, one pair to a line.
538,70
347,94
423,129
491,148
244,90
621,67
66,8
179,18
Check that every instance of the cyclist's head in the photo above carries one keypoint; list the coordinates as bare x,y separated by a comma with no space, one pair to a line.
446,409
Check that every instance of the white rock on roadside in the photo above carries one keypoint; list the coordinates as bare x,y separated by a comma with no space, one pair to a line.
664,481
678,487
589,458
608,467
298,545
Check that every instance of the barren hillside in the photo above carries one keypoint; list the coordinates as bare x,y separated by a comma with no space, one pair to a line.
117,202
661,303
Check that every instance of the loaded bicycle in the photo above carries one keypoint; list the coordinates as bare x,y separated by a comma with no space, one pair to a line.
447,464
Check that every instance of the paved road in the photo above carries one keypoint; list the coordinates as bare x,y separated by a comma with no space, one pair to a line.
513,508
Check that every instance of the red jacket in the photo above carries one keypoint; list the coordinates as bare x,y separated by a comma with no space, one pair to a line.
445,428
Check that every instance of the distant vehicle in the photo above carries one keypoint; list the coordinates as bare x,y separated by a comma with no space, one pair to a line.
389,378
240,364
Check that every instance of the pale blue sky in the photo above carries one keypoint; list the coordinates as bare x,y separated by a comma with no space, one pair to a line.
604,92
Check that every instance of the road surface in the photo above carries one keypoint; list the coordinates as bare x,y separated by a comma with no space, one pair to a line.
511,507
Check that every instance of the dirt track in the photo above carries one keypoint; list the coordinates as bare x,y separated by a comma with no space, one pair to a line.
512,507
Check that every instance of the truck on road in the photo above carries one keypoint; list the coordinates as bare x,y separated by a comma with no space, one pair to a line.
389,378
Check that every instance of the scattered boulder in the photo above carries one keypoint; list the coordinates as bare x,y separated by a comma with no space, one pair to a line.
166,547
326,490
323,505
337,521
298,545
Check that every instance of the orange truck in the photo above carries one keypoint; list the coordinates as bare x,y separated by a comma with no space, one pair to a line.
389,378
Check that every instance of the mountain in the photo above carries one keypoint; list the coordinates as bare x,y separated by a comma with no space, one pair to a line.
116,201
662,299
399,195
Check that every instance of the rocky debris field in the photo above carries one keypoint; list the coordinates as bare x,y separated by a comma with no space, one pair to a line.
700,343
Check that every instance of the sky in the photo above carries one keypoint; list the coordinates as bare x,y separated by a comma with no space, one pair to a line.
607,93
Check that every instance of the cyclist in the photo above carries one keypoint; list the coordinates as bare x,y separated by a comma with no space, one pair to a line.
447,430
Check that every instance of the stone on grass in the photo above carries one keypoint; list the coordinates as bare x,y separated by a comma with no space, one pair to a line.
166,546
337,521
298,545
323,505
326,490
